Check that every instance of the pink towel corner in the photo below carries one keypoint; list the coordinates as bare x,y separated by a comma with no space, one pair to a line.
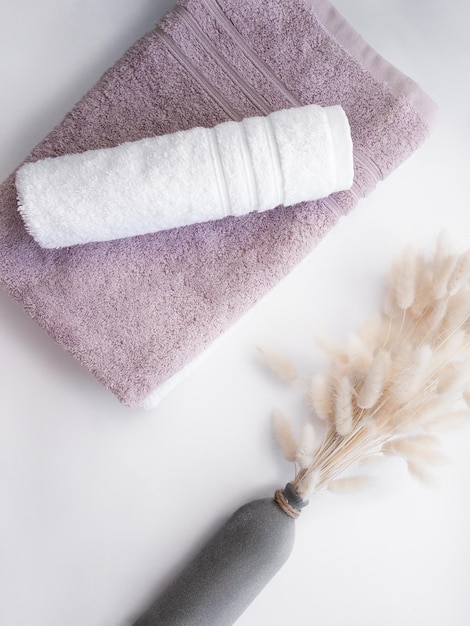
136,311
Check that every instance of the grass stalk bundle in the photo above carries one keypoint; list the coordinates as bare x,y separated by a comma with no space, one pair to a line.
395,385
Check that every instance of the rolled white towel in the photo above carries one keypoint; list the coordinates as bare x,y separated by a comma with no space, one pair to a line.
186,177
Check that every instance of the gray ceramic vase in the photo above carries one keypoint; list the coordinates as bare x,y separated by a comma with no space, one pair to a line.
232,568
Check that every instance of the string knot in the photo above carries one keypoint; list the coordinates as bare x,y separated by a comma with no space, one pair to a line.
289,501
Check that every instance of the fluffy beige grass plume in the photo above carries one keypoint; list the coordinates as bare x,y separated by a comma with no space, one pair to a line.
393,386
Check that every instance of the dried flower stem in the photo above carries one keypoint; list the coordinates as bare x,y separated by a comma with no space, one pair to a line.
397,383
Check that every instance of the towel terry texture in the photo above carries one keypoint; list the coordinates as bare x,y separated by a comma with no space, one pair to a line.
136,311
187,177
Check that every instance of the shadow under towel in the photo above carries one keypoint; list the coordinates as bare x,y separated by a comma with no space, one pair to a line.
138,311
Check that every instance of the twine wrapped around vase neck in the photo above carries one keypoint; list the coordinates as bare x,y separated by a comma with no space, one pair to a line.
289,501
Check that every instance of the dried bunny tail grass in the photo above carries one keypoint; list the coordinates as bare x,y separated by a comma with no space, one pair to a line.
460,274
433,410
335,350
282,368
413,377
374,333
285,435
447,349
307,482
453,377
442,275
396,384
423,270
458,311
343,406
375,459
349,484
419,448
438,276
355,354
423,289
443,249
307,446
319,397
360,355
428,326
402,279
424,439
448,421
375,380
421,473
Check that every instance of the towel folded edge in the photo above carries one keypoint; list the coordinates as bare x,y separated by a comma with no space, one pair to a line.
380,68
342,144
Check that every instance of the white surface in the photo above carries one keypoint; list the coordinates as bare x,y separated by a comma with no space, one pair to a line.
99,504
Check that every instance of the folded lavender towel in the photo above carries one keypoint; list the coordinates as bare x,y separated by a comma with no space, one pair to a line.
136,311
187,177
